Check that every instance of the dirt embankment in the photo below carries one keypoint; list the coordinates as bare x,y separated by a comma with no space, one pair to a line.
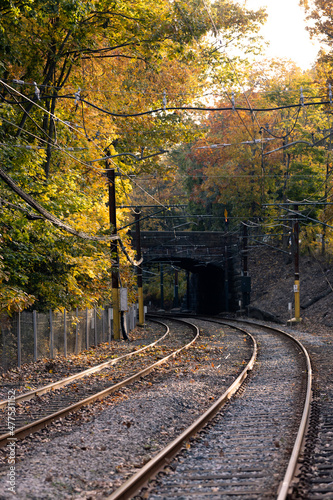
272,287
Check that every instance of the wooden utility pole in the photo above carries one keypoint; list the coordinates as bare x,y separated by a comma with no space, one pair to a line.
226,269
114,253
139,267
162,285
176,289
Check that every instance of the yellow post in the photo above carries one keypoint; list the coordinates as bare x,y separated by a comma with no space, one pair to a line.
297,301
116,313
141,307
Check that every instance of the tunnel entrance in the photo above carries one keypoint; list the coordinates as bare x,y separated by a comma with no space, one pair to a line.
208,290
210,259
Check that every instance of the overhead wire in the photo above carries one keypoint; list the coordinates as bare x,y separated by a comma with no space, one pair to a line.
102,171
143,190
328,174
253,114
85,135
57,222
59,148
31,118
299,214
47,215
233,107
284,136
52,115
250,109
137,90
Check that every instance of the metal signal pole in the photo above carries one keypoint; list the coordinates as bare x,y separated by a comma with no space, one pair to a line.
139,267
114,253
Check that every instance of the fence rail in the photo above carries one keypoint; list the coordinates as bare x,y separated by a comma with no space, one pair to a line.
28,336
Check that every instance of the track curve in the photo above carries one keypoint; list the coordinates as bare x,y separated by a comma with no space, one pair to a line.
252,446
60,401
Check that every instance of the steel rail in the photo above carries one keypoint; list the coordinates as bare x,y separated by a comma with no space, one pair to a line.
163,458
26,396
287,482
36,425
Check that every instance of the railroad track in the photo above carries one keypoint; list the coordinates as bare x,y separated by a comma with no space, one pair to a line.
27,395
224,459
316,470
251,450
34,410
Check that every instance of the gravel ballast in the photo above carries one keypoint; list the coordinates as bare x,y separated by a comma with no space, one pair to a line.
123,432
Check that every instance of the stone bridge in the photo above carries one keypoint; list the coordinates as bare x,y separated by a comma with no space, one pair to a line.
203,246
212,260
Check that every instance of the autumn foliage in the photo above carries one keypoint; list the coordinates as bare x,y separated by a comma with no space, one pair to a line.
79,81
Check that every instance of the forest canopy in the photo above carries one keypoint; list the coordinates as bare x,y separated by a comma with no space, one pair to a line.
169,97
87,87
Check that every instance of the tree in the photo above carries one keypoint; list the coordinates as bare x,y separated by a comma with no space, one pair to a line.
250,159
77,67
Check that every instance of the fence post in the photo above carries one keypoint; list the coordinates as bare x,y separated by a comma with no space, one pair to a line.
34,322
65,333
87,329
77,331
51,335
19,340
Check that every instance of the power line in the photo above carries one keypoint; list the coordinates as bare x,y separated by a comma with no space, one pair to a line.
250,109
138,91
299,214
88,165
59,148
47,215
202,108
33,147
